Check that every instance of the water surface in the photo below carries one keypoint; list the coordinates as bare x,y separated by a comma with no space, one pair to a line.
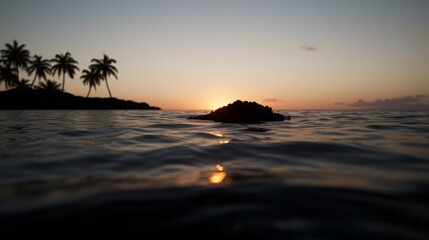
321,175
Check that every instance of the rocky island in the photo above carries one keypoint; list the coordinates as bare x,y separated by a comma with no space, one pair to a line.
242,112
42,99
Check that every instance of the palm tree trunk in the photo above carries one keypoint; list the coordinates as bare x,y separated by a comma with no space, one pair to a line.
107,84
88,91
33,81
64,80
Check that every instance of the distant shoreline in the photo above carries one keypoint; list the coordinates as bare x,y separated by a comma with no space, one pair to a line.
29,99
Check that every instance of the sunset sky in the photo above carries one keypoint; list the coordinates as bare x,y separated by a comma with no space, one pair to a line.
174,54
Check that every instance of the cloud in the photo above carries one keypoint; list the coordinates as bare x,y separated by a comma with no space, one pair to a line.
339,103
270,100
401,103
308,48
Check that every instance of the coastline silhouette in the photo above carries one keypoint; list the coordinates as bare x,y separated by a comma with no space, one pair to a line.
49,96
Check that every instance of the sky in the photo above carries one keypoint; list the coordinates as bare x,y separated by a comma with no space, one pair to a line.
304,54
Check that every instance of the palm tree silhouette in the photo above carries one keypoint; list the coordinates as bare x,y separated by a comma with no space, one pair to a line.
105,68
8,75
49,85
23,84
16,56
40,67
91,77
64,64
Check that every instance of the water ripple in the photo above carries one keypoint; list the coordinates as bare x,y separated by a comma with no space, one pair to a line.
299,178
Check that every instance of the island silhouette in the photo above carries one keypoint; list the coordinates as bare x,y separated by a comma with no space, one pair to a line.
48,99
242,112
20,94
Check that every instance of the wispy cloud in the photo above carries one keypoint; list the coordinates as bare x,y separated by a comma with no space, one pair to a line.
271,100
401,103
307,48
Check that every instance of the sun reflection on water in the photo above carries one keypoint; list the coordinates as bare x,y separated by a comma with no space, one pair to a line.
217,134
218,176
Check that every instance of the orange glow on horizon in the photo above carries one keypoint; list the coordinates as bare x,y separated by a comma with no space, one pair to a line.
299,103
216,105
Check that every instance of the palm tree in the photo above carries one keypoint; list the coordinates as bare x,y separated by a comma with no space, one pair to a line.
16,56
64,64
40,67
105,67
91,77
23,84
49,85
8,75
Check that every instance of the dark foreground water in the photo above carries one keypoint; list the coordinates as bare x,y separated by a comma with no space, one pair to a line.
321,175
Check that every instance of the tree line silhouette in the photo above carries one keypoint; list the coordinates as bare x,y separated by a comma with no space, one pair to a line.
16,57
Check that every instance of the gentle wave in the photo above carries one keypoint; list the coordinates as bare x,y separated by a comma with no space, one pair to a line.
254,211
297,179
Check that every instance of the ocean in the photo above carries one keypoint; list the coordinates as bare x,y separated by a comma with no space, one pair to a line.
320,175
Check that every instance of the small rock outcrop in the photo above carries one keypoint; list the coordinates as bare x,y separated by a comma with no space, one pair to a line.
242,112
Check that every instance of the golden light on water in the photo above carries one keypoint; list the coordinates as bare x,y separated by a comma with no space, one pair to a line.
224,141
217,134
218,176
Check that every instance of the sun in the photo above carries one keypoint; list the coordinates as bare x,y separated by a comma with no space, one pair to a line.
216,105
